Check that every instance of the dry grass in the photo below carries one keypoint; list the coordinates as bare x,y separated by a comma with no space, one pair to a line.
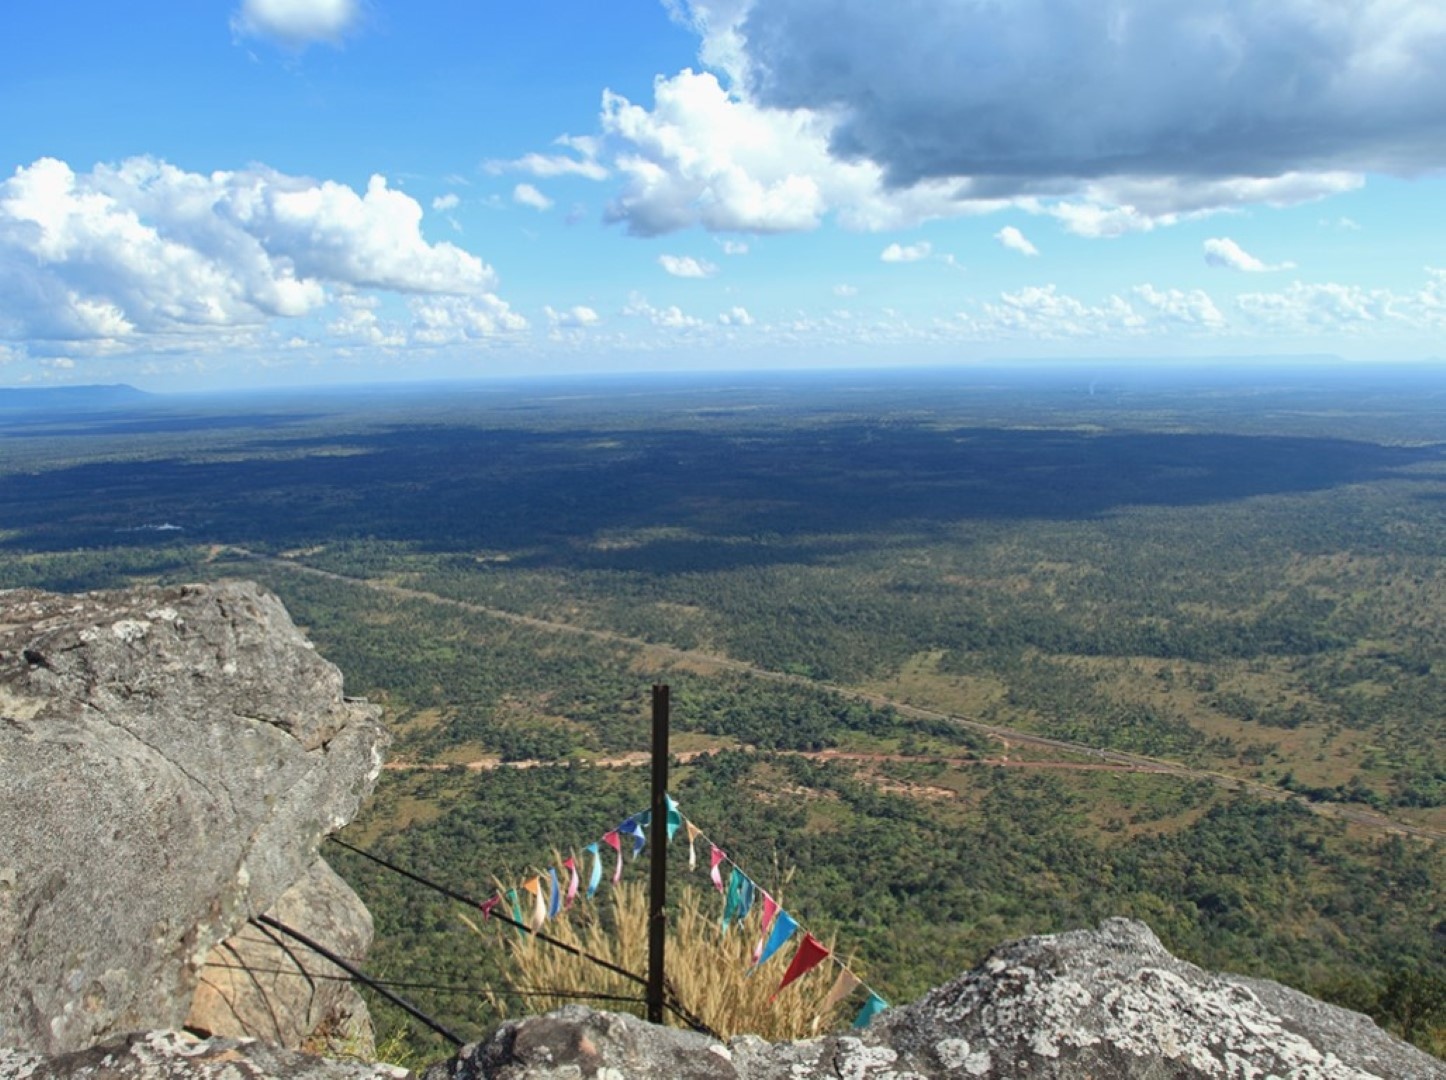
707,969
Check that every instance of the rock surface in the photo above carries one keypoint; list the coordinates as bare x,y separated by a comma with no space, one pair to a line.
1106,1004
261,984
169,760
170,1055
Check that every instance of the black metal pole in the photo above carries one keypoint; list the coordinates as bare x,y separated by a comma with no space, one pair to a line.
658,882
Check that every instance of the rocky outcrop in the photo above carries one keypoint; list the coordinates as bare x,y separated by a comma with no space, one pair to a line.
169,760
1106,1004
258,982
172,1055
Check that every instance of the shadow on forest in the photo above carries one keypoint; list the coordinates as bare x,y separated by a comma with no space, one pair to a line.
734,497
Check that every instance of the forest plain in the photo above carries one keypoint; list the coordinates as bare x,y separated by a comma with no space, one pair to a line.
955,655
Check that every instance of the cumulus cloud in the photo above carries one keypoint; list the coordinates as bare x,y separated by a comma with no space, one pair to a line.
1189,309
1228,255
669,318
527,195
685,266
139,253
736,316
899,253
449,201
1015,240
454,320
574,318
297,23
1042,311
888,120
733,247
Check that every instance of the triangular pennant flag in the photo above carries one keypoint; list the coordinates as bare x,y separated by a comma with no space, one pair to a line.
740,897
516,902
811,953
783,928
614,841
770,909
595,875
693,834
872,1007
634,828
675,817
539,905
554,895
487,905
570,863
715,858
846,983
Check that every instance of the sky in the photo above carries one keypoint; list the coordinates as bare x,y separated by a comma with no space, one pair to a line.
198,194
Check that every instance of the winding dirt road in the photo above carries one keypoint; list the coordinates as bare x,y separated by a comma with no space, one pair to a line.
1120,760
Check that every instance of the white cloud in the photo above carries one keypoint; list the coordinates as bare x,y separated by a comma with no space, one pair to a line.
449,201
547,166
1176,111
1180,308
669,318
845,290
575,318
733,247
685,266
1336,308
453,320
1042,311
527,195
1015,240
898,253
357,321
1228,255
297,23
144,254
736,316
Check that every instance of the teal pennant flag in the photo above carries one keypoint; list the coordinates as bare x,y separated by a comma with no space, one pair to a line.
872,1007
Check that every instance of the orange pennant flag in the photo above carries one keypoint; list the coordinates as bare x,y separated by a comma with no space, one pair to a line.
811,953
846,983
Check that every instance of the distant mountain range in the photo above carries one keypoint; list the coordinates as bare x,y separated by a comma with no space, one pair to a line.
47,398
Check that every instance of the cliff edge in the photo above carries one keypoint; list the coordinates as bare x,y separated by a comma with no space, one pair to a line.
170,759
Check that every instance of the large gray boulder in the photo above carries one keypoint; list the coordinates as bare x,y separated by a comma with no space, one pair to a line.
1106,1004
173,1055
169,760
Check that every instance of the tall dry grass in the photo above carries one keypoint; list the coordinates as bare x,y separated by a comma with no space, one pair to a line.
707,969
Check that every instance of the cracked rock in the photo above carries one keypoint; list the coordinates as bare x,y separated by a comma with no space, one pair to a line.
169,760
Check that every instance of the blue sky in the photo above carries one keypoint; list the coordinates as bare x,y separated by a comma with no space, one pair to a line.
267,192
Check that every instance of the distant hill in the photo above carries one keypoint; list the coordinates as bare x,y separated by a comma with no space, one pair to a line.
46,398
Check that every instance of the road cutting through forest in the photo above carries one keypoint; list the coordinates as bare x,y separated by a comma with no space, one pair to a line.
1106,759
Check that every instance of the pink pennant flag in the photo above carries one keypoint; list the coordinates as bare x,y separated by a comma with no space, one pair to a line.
487,905
693,833
614,841
770,909
716,859
810,954
572,881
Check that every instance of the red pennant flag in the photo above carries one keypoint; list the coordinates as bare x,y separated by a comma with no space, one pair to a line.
488,905
770,909
810,954
614,841
716,859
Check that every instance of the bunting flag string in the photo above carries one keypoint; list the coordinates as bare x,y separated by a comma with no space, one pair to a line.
741,896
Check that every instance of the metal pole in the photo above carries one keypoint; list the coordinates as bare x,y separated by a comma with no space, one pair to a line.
658,882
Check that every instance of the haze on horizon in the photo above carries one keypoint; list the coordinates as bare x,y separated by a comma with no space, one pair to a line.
292,192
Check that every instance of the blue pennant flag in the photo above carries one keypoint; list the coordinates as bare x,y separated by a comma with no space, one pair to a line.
872,1007
634,828
595,876
783,928
554,902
